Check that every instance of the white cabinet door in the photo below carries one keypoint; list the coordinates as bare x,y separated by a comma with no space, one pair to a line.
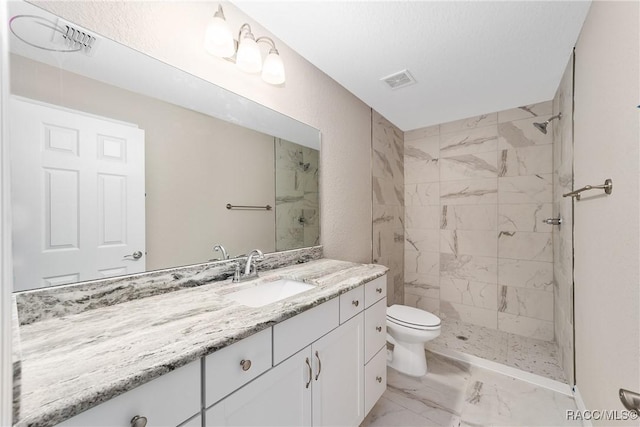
280,397
338,386
78,196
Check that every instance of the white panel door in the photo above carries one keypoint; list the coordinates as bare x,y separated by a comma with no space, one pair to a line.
280,397
338,386
78,196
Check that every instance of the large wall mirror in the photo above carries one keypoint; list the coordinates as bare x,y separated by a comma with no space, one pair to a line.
123,164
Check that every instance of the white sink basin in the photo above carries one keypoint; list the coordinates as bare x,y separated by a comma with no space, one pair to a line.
269,292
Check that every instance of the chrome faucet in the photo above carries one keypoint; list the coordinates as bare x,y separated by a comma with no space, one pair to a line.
221,248
257,253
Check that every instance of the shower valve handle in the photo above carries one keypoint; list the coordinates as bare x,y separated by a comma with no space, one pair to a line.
553,221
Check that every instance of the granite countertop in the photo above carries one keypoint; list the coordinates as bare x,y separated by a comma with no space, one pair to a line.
72,363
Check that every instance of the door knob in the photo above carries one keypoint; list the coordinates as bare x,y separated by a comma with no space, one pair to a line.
135,255
138,421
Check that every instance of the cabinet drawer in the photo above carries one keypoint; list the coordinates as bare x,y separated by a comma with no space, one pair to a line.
375,290
165,401
375,379
296,333
224,371
375,328
351,303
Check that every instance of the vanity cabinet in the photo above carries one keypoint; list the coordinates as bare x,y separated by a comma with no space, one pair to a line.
321,385
168,400
329,367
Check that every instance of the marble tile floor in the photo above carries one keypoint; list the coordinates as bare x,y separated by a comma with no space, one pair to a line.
527,354
458,394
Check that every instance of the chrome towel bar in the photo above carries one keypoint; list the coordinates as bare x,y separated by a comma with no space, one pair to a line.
607,187
266,208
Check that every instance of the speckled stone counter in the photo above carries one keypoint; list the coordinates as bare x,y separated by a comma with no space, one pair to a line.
74,362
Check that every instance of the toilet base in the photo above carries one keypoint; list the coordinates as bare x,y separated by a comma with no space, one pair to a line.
409,359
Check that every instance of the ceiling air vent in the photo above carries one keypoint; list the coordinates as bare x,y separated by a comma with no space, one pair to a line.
400,79
75,38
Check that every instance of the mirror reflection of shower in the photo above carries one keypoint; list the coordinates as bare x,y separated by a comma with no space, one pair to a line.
542,127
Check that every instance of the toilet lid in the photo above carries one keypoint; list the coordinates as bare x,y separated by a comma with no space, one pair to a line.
412,317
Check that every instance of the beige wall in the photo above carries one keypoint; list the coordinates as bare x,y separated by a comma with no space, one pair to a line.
607,254
194,165
173,31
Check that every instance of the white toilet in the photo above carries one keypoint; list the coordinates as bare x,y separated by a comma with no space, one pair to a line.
408,329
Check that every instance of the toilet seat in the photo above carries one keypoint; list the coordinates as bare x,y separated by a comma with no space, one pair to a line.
412,318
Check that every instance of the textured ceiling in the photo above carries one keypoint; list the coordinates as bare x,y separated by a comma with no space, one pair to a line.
468,57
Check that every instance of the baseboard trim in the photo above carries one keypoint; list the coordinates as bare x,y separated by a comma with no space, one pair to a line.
581,406
538,380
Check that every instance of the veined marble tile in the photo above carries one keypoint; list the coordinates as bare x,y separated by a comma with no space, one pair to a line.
420,240
482,269
522,133
387,413
422,284
525,189
469,242
469,192
437,396
496,399
421,133
289,238
387,164
487,343
469,123
469,217
432,305
421,160
311,236
525,326
536,159
422,194
469,292
424,217
484,139
534,355
525,112
422,263
525,217
526,302
388,216
466,313
525,245
465,166
525,274
385,192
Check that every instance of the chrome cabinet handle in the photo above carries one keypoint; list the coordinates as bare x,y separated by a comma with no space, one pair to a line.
379,290
246,364
319,366
379,328
379,379
138,421
135,255
310,373
356,303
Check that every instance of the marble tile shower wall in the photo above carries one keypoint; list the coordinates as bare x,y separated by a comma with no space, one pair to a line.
297,196
388,203
476,192
563,236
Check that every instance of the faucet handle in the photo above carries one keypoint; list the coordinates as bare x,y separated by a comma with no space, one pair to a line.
236,272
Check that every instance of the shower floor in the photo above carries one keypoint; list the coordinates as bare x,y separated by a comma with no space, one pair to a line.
527,354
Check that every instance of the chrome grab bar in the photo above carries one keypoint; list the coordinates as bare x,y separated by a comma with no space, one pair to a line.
266,208
607,187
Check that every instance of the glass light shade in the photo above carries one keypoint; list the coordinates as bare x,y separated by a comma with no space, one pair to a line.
218,39
248,58
273,69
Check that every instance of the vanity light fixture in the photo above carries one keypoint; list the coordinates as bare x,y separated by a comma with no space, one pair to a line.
245,52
